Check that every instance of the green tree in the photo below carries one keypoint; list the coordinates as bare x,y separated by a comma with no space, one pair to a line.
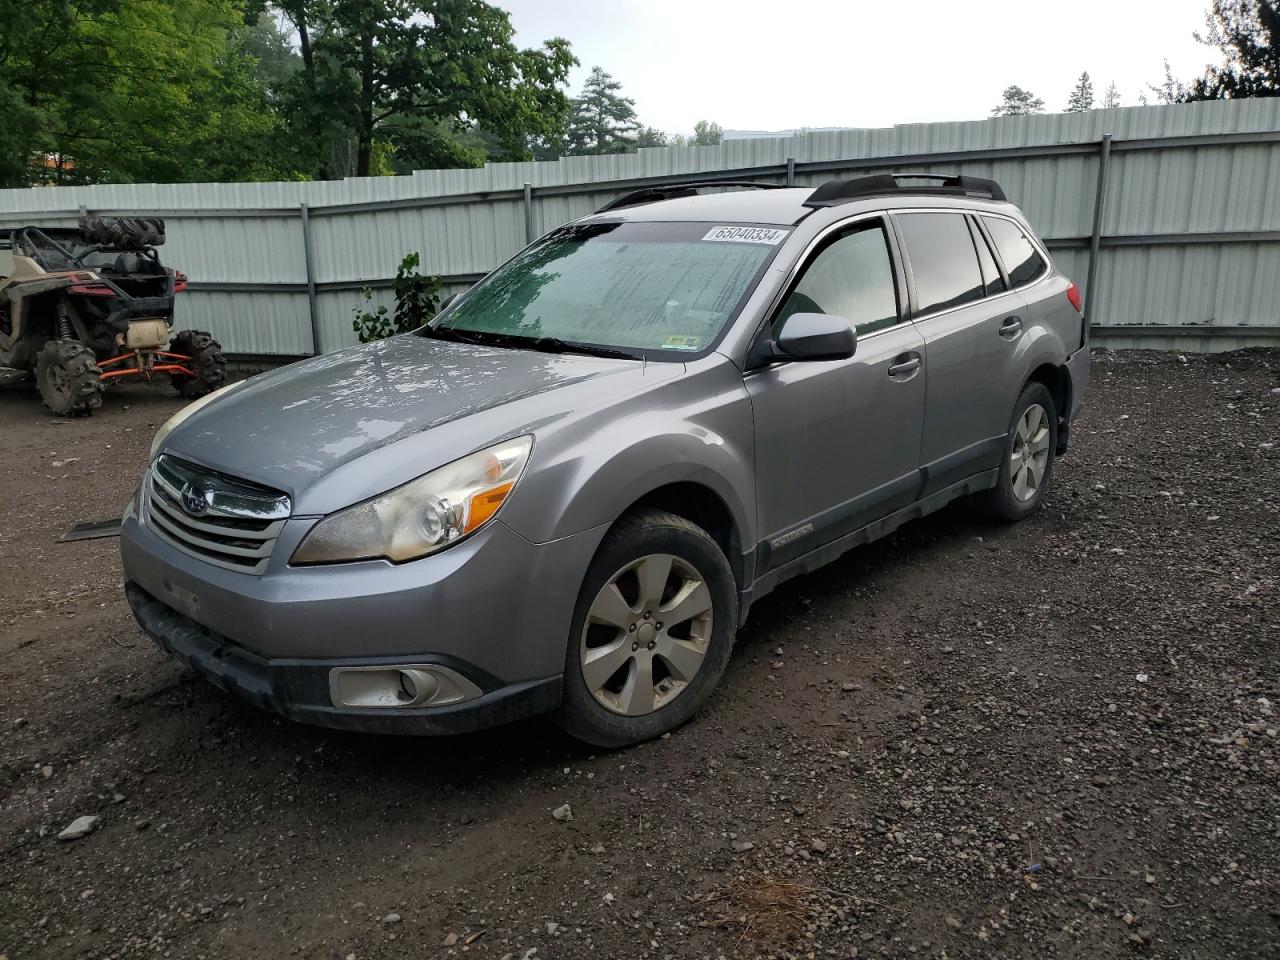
601,120
651,137
276,64
128,90
707,134
1016,102
1168,90
1081,98
1247,33
1111,98
394,70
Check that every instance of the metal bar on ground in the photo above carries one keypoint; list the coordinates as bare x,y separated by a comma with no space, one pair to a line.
791,171
93,530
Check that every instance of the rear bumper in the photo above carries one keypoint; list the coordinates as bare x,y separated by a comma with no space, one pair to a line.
128,308
1078,373
1078,370
299,689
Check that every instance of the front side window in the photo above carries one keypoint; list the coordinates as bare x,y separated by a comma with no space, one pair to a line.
851,277
1020,256
943,260
636,287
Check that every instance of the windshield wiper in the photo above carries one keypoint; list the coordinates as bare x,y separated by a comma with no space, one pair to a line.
490,338
556,345
449,333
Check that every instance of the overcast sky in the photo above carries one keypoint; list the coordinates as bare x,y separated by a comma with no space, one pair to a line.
825,63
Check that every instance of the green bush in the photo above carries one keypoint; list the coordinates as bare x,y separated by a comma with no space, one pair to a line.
417,300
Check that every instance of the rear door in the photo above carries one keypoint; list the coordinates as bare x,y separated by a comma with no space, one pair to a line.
838,442
971,323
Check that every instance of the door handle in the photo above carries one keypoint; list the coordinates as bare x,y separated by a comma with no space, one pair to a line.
1011,327
905,366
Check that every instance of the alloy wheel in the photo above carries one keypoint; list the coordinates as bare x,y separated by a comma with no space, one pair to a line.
1030,457
646,634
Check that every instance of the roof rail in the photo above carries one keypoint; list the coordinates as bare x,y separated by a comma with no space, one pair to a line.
686,188
835,192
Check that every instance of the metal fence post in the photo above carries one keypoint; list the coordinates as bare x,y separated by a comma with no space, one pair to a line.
1095,239
311,279
528,213
791,171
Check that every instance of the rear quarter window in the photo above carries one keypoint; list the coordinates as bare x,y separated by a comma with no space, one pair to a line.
1021,258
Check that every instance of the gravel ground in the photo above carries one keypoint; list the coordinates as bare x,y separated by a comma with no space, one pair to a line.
1050,740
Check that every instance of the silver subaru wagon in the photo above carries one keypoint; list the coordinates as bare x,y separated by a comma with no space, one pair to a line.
565,492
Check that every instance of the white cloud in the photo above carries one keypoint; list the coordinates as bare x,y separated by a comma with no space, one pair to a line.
755,65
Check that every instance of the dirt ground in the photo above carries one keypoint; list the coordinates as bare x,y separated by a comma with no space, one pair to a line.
1050,740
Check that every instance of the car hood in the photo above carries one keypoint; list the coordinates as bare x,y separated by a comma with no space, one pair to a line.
295,426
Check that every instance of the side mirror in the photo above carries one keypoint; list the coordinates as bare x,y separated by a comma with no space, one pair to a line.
809,336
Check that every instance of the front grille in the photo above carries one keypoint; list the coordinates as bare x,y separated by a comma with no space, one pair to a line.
236,525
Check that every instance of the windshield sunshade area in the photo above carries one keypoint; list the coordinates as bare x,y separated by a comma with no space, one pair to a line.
637,287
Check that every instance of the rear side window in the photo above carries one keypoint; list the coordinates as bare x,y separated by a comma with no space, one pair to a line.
991,278
943,260
851,277
1021,259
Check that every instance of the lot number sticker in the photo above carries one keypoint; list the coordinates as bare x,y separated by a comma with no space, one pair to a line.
746,235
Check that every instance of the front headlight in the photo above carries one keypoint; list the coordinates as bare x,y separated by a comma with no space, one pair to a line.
168,426
424,515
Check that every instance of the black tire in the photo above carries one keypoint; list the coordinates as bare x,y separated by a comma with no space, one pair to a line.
634,537
207,361
1003,502
68,378
123,232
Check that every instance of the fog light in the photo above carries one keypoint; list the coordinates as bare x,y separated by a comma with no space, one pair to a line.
393,685
417,687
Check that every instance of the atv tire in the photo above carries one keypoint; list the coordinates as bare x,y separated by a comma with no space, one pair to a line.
125,233
206,359
68,378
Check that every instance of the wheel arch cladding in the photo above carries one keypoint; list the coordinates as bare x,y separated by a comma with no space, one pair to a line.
700,505
591,482
1058,381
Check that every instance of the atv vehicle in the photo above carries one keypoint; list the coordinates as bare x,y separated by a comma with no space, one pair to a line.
82,306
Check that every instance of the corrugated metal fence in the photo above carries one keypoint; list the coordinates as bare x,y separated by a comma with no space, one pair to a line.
1169,216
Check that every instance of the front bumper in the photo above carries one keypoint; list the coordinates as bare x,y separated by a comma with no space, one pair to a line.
496,609
299,689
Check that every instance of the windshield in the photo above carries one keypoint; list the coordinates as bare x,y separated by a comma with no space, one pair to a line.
641,288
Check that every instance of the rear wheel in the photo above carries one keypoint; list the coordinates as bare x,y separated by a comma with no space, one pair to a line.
652,631
1027,467
207,362
68,378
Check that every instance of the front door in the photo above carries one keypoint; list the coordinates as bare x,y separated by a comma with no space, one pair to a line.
838,442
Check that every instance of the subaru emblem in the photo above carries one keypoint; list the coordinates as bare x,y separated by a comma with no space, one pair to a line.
194,501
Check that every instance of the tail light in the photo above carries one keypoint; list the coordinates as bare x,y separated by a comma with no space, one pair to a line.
1073,294
179,281
98,289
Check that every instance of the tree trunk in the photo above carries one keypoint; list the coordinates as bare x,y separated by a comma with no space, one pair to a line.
308,59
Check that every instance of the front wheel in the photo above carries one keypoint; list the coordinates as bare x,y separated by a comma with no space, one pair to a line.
651,633
1026,469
